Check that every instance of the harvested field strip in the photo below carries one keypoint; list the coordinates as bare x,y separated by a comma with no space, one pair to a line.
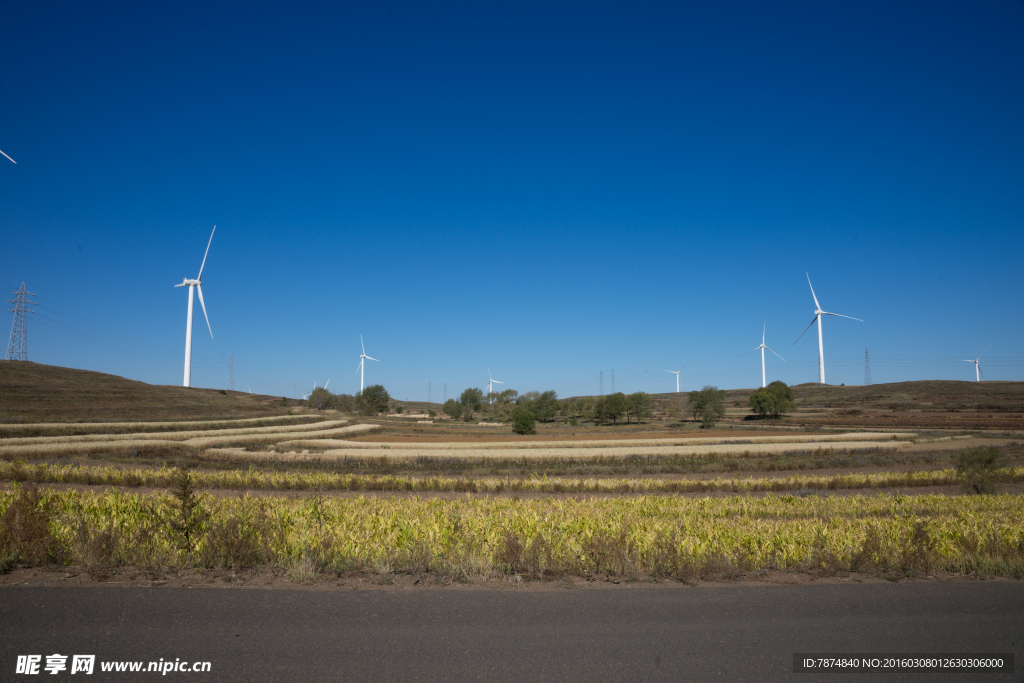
677,537
745,450
257,480
125,445
173,436
640,443
119,427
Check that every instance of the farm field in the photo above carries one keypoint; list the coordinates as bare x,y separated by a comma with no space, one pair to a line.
200,480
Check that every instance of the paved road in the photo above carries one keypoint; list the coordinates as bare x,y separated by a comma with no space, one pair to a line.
742,633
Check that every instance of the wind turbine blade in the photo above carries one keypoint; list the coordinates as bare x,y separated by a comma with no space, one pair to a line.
199,288
783,359
328,382
816,304
764,329
181,285
808,327
360,365
751,351
368,358
496,381
985,351
842,316
965,360
362,344
200,278
12,160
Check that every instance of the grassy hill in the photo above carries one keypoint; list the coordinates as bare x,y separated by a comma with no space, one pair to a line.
30,392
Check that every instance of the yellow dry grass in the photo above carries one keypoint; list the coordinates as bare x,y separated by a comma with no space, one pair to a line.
638,443
386,451
173,436
101,426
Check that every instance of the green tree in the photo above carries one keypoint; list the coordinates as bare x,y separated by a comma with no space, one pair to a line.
599,410
638,405
471,400
374,399
321,399
708,405
773,400
523,421
452,408
545,406
614,406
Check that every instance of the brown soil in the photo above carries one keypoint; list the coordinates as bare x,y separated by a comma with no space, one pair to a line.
277,579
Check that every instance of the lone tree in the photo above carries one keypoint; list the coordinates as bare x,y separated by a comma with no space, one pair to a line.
773,400
471,400
523,421
375,399
979,468
708,405
321,399
452,409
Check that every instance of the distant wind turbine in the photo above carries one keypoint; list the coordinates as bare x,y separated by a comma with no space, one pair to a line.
12,160
491,381
817,318
676,373
197,284
362,358
978,374
763,347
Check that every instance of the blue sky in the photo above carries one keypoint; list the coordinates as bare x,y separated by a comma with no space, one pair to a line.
552,190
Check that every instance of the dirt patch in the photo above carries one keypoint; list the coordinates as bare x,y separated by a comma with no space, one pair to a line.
278,579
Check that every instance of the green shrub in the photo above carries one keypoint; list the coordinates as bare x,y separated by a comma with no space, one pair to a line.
523,421
978,468
374,399
452,409
707,405
773,400
432,413
399,409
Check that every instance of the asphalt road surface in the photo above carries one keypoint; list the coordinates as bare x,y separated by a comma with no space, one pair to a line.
741,633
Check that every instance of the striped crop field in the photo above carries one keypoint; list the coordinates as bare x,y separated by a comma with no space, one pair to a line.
257,480
658,536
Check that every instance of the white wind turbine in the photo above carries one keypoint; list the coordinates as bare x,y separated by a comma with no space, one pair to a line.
978,374
763,347
491,381
362,358
12,160
676,373
817,318
197,284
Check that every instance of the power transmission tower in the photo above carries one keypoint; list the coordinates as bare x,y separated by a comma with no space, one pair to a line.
601,381
867,366
613,381
231,372
17,344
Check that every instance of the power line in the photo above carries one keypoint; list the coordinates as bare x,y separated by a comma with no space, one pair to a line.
17,343
867,367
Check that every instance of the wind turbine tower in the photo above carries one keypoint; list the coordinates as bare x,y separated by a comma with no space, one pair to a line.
763,347
817,319
196,284
491,381
676,373
362,369
978,374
